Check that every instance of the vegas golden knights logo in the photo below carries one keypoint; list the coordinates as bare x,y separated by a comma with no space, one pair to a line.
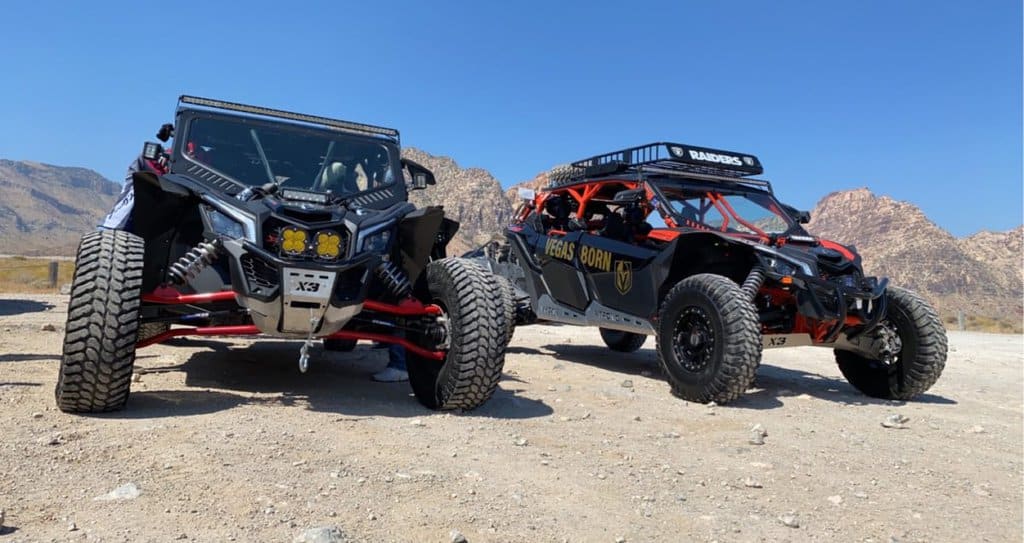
623,276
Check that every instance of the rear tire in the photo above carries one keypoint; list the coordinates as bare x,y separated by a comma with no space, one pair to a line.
919,363
103,323
470,372
508,303
709,339
623,342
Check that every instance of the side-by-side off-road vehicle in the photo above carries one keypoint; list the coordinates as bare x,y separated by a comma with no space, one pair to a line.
266,222
682,243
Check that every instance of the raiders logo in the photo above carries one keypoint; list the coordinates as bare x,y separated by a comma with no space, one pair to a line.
623,276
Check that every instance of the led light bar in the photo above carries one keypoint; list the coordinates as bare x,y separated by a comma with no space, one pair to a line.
313,119
305,196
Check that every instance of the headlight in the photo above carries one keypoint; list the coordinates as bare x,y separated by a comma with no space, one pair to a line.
377,242
782,267
782,264
228,221
376,238
293,241
224,225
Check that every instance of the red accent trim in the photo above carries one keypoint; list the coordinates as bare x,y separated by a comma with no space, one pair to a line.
760,233
383,338
664,234
251,330
837,247
166,295
246,330
407,307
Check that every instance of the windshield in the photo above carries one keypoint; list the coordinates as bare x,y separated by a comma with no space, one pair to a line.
752,213
291,157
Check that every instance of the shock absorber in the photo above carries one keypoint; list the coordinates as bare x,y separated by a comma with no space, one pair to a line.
394,278
193,262
753,282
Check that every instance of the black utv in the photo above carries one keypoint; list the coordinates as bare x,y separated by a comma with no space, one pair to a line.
262,222
683,243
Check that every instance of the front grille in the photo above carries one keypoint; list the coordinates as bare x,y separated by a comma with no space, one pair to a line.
260,276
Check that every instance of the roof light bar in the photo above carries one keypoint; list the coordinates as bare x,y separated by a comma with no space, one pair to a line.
312,119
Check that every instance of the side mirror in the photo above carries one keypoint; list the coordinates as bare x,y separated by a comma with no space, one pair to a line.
421,177
802,217
152,151
527,194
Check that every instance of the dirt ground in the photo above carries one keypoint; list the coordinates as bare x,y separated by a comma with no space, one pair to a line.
227,441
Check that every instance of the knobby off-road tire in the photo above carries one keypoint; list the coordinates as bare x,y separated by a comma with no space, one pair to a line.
508,297
152,329
508,303
340,345
564,174
470,372
920,362
708,340
623,342
103,323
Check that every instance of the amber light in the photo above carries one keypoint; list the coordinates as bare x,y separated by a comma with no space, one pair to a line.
328,244
293,241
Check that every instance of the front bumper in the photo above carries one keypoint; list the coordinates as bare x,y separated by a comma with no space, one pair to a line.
298,298
830,300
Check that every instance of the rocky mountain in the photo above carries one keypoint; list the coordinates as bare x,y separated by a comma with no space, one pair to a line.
45,209
471,196
980,274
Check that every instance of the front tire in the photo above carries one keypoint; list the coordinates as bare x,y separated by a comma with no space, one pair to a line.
103,323
920,361
470,372
709,339
623,342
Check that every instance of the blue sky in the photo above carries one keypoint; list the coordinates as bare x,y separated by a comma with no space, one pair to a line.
919,100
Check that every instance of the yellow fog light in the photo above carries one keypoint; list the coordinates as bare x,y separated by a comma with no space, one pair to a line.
328,244
293,241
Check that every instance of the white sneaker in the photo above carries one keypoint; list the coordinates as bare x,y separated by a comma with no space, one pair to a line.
391,375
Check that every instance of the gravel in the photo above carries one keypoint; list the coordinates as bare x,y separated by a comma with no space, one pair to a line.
323,534
127,491
579,478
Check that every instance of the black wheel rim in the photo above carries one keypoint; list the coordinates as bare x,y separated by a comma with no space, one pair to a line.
693,339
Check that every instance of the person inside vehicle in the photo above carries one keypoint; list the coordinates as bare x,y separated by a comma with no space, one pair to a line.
556,214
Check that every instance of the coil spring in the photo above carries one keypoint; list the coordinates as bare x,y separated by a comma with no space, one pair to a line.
753,282
394,279
193,262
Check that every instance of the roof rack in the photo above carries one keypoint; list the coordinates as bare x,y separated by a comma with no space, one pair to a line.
337,124
675,157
